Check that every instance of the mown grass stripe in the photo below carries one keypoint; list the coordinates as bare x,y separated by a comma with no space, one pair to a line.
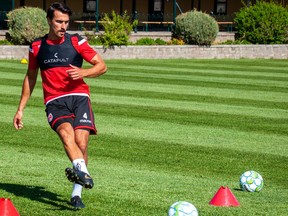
9,99
181,115
161,155
277,86
271,81
170,91
97,84
198,83
192,106
157,130
201,71
199,135
221,120
16,87
213,84
244,65
15,66
187,72
106,93
10,82
11,76
187,157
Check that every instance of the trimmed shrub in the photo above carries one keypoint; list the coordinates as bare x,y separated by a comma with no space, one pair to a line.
26,24
196,27
159,41
150,41
263,23
117,29
145,41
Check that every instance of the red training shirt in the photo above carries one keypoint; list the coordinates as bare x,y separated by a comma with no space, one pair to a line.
53,58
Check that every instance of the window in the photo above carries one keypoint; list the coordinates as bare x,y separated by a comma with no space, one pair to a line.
157,5
221,7
89,6
22,3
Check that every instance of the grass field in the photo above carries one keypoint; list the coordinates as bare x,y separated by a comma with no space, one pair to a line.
169,130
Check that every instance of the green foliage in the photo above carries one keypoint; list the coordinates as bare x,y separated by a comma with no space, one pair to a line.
150,41
176,41
159,41
5,42
145,41
93,38
263,23
196,27
26,24
238,42
117,29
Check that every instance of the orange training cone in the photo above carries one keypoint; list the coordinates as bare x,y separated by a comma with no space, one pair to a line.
7,208
224,197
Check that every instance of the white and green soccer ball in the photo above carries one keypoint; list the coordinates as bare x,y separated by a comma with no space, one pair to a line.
182,208
251,181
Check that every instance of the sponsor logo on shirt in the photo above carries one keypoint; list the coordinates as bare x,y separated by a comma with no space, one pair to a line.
85,120
56,59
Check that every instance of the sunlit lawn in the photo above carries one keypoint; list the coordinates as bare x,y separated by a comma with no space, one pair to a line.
169,130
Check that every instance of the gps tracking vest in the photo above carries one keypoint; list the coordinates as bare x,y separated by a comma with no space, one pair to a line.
59,55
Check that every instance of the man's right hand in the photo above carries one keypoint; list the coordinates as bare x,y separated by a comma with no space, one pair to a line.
17,121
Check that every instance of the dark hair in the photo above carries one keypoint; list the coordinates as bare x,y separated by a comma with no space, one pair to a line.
60,7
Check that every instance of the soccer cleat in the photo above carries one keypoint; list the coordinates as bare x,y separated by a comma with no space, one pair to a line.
79,177
77,203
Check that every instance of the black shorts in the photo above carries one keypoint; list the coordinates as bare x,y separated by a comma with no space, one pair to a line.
73,109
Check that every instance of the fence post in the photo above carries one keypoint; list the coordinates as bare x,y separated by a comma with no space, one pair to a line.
97,15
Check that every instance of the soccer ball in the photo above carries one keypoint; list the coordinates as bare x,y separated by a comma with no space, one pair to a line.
251,181
182,208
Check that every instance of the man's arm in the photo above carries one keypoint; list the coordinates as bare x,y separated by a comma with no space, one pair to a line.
99,68
27,89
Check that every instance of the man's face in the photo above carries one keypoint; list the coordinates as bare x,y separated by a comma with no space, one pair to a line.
58,25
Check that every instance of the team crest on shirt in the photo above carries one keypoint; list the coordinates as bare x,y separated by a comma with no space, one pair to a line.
50,117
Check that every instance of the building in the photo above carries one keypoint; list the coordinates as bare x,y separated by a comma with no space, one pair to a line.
143,10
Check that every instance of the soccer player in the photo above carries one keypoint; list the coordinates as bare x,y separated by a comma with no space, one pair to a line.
59,56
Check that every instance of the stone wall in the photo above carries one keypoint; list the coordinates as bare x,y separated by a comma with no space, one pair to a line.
168,52
166,36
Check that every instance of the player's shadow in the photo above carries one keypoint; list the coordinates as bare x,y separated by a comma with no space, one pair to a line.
36,193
